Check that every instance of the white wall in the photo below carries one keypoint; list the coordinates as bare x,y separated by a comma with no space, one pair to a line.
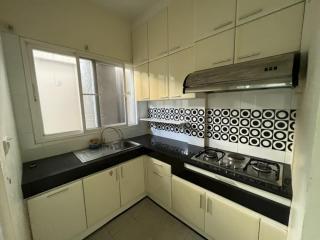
11,166
71,23
304,222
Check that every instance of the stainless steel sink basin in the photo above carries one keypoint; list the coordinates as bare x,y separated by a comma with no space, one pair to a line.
87,155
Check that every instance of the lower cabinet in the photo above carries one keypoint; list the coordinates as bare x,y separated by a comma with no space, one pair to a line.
131,180
158,182
58,214
102,195
67,211
225,220
188,201
270,230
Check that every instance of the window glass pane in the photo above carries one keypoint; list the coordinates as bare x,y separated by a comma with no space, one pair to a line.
111,94
90,111
87,76
58,88
131,102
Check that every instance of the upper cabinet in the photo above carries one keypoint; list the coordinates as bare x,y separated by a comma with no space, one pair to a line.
222,45
180,65
140,44
274,34
248,10
141,80
213,16
158,34
180,24
158,75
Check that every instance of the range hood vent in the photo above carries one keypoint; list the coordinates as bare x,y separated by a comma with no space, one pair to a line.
273,72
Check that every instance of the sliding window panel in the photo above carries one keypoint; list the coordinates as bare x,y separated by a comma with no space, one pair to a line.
58,90
89,93
110,79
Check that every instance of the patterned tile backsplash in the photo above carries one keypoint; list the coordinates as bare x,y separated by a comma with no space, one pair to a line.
265,128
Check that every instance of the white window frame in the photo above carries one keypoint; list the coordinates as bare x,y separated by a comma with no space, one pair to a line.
27,46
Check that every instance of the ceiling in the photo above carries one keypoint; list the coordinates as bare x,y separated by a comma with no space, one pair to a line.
126,8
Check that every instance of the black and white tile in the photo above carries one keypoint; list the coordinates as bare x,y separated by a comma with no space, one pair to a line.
265,128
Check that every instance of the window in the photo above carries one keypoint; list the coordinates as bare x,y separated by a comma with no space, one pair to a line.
71,95
57,83
111,87
89,93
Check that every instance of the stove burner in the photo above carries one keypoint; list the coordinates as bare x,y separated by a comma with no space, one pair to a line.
210,154
235,157
261,167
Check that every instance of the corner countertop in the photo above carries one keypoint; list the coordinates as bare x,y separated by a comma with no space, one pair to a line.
42,175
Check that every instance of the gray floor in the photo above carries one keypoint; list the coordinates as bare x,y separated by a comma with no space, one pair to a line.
145,221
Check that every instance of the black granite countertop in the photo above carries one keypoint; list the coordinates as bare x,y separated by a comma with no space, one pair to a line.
45,174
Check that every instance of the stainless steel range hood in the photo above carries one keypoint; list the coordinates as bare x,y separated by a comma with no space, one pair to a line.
273,72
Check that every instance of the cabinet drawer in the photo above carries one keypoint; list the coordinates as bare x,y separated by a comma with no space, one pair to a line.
159,167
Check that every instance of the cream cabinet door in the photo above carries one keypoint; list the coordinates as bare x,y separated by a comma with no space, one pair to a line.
59,213
270,230
180,24
158,34
215,51
131,180
158,182
213,16
180,65
248,10
275,34
188,201
102,195
225,220
140,44
141,80
158,75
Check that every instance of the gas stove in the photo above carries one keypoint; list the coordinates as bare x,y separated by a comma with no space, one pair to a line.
254,169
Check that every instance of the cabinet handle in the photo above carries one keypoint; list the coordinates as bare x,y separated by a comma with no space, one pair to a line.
209,206
250,55
201,200
222,25
163,97
222,61
176,96
121,170
58,192
117,174
254,12
174,48
162,53
145,98
157,174
158,164
34,92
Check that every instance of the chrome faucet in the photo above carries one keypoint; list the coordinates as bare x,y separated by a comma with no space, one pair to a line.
118,131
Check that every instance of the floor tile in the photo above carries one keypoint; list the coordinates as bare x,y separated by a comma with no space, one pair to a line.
145,221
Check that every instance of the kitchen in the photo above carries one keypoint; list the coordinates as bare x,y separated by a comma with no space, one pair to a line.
171,119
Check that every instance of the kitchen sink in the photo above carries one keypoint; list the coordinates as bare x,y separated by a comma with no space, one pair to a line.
87,155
